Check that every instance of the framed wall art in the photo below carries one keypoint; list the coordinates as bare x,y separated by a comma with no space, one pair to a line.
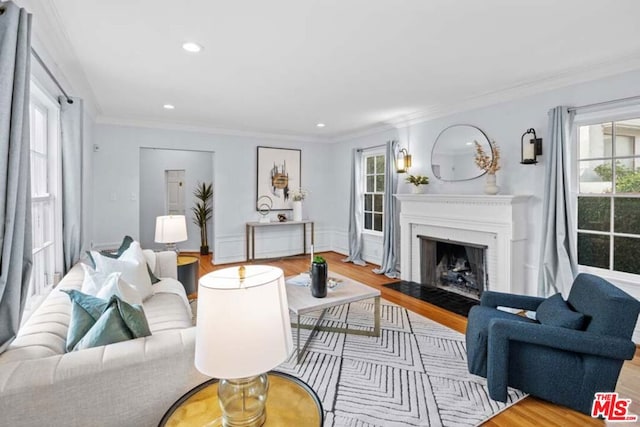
278,174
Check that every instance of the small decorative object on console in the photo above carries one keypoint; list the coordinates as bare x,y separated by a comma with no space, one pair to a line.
264,205
282,217
298,196
319,271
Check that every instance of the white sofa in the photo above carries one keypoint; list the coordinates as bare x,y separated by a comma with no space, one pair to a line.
131,383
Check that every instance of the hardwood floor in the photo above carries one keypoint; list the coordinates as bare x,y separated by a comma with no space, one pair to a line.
528,412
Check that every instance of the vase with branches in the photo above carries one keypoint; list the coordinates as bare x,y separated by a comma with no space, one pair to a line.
490,164
203,212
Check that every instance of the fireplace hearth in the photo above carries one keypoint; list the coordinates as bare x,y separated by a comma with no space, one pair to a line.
456,267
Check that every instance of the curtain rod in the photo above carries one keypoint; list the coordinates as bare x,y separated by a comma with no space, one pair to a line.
372,147
600,104
46,69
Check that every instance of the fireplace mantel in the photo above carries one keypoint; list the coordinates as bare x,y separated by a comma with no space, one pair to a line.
498,222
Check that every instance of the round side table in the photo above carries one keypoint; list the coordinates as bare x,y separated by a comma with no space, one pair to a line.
291,402
188,267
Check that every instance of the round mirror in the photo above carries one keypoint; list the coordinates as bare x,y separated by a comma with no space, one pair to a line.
453,153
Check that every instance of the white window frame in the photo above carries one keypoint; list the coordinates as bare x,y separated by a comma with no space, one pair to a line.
365,155
585,119
43,100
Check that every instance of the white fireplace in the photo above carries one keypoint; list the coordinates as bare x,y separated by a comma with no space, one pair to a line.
498,223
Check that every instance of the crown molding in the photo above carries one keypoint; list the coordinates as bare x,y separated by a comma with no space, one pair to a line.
374,129
152,124
565,78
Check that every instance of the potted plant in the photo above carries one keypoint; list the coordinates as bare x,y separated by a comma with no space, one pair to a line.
203,212
417,181
319,272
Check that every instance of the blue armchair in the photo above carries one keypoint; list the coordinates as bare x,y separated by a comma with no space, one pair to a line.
546,357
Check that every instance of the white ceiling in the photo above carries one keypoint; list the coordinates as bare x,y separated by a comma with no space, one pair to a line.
281,66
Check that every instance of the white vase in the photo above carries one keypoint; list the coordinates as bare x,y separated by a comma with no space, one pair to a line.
490,186
418,189
297,210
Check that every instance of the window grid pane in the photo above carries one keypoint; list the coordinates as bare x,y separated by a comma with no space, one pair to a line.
628,175
627,218
594,213
593,250
625,254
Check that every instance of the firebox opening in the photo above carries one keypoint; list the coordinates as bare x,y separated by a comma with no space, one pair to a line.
453,266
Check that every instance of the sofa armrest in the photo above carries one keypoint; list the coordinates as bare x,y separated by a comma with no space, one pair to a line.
495,299
502,331
167,264
128,383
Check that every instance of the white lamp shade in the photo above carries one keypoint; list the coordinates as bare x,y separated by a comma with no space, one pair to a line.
243,327
171,229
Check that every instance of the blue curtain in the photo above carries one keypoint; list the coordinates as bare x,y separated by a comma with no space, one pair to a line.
558,260
391,221
15,188
71,130
356,210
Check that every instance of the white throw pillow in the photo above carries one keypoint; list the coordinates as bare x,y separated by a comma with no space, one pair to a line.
151,259
114,285
133,266
92,281
102,285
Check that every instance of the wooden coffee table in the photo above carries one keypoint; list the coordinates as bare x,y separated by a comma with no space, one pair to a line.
301,302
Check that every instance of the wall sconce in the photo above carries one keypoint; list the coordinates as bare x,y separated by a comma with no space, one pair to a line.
530,149
403,161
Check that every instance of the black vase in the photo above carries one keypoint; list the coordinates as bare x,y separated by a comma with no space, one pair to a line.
319,279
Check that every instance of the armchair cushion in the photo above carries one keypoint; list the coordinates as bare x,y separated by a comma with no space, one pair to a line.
554,311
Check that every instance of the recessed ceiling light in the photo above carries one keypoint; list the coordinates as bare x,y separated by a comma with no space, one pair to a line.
320,125
192,47
168,107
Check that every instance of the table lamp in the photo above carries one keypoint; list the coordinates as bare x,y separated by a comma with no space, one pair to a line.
243,330
171,229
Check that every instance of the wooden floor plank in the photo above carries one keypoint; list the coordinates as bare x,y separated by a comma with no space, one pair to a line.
530,412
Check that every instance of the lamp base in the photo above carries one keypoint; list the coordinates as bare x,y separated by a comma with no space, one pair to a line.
243,401
173,247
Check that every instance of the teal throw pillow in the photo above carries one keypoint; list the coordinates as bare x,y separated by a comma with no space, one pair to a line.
554,311
96,321
126,242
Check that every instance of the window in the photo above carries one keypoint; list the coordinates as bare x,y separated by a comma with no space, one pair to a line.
609,196
45,210
374,166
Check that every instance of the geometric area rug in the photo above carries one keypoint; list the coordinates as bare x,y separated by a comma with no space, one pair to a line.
413,374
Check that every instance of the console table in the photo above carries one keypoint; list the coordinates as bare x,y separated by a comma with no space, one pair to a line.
250,234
